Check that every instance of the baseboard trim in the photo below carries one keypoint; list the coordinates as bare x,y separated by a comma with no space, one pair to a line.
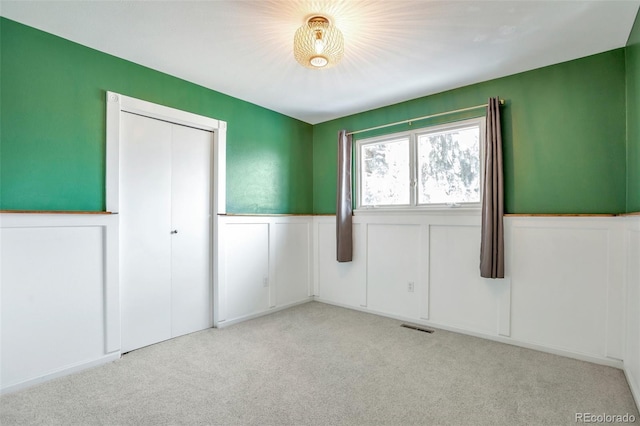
610,362
633,386
64,371
226,323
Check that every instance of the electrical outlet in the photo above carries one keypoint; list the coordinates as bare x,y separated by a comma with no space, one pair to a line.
410,287
265,282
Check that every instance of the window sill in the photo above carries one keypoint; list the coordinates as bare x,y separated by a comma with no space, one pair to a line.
430,211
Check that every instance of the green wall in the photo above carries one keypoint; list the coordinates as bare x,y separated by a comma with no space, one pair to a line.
632,52
53,129
563,135
565,131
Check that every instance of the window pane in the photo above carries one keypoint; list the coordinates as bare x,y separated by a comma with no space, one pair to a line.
449,166
385,173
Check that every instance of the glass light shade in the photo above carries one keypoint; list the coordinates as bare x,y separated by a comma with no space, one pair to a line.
318,44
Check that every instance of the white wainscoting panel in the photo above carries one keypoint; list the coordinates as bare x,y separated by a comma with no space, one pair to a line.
459,296
560,271
632,349
343,283
247,267
616,288
393,250
292,259
266,264
393,264
59,297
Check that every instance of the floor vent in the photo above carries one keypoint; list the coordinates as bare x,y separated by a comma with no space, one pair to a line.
416,327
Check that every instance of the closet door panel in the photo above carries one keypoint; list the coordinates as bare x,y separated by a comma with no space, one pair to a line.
145,222
191,245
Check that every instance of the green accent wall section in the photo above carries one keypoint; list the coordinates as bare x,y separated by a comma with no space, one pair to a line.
571,131
52,129
563,130
632,52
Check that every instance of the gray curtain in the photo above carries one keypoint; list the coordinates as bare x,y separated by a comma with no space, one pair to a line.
492,242
343,205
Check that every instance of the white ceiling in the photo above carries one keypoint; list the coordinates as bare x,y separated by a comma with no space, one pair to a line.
394,50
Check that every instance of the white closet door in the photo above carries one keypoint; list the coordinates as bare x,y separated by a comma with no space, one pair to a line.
145,223
191,218
165,230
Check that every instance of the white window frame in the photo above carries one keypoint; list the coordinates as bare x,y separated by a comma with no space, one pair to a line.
413,161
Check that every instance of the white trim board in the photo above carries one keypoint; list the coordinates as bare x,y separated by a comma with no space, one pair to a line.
117,103
632,308
64,371
270,311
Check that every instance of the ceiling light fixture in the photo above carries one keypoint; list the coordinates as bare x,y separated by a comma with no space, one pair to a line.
318,44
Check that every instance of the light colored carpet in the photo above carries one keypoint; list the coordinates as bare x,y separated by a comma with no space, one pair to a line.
317,364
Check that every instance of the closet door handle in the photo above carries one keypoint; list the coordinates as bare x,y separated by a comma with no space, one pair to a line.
175,231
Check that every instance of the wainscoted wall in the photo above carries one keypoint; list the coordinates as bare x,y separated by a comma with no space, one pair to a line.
265,264
632,349
59,299
567,278
572,285
417,267
563,292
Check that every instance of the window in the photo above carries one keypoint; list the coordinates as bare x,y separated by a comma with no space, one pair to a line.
386,167
432,167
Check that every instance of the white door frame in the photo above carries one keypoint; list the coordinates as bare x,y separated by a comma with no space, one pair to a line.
116,105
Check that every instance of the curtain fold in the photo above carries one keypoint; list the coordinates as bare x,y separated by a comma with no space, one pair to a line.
344,236
492,234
